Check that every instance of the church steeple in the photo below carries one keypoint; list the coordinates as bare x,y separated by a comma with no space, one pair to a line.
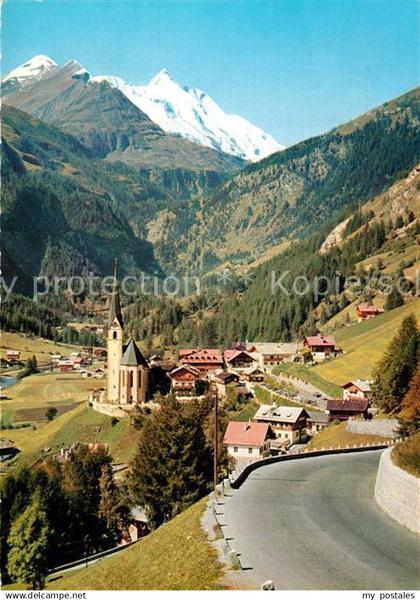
114,301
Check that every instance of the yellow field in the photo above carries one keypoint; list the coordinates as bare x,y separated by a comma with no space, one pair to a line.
364,344
29,346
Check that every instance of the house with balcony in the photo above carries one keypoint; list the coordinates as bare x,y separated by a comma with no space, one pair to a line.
287,423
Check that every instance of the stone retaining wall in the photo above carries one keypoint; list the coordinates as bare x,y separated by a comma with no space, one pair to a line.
397,493
383,427
112,410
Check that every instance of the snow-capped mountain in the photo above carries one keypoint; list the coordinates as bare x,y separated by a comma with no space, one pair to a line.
190,113
187,112
33,69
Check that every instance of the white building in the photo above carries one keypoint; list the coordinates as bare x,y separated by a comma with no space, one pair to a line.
247,441
271,354
287,423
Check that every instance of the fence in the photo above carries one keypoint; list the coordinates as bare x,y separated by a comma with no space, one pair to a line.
92,557
241,473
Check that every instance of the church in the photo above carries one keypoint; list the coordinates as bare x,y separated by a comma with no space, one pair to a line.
127,368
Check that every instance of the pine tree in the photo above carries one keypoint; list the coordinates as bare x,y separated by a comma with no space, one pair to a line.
29,541
397,366
393,300
172,464
112,509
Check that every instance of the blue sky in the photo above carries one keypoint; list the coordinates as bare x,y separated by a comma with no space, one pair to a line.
295,68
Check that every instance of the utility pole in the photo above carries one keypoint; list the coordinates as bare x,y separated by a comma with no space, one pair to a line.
216,436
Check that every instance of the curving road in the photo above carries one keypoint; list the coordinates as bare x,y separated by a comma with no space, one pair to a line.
314,524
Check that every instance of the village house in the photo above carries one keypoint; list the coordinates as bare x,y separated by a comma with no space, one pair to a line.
13,355
357,390
368,311
253,375
77,362
65,366
55,358
222,380
204,360
137,525
316,422
238,359
184,380
287,423
99,373
320,346
100,353
343,409
247,441
85,373
272,354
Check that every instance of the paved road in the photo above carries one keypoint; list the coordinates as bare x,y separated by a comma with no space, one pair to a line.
314,524
306,391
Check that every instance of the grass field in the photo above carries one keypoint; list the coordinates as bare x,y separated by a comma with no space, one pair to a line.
29,400
246,413
177,556
309,375
28,346
364,344
406,454
336,436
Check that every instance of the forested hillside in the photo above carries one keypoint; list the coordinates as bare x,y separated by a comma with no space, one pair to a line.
294,192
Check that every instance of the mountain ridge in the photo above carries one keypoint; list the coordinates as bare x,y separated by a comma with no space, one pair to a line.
109,124
183,111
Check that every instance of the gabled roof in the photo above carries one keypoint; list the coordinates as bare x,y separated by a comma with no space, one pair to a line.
133,356
369,308
246,434
204,355
320,340
318,417
223,375
284,414
188,368
347,405
255,369
273,347
232,354
363,386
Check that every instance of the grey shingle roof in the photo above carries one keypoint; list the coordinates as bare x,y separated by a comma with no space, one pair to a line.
133,356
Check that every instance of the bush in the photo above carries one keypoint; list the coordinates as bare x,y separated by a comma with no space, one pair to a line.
51,413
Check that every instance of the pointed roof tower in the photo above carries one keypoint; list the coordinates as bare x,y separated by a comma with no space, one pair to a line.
133,356
114,301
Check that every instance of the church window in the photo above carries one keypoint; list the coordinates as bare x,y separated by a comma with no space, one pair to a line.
139,376
114,335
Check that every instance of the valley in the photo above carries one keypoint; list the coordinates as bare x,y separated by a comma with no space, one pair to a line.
126,407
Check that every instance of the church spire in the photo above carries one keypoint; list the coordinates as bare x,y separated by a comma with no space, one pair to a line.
114,301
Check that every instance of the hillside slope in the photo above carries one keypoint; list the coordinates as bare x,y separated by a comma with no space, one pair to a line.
177,556
364,343
296,191
105,121
61,211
